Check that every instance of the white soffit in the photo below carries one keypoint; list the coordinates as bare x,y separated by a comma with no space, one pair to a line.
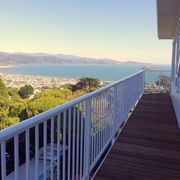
168,13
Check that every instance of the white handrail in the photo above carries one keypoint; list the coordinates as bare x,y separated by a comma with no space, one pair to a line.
80,131
20,127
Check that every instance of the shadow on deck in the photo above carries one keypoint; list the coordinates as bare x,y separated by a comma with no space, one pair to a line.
149,145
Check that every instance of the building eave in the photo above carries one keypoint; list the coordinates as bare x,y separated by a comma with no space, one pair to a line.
168,12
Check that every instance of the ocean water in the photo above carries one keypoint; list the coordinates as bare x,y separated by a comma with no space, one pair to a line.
108,72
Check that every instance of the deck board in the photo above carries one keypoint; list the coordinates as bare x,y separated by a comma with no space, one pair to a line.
148,146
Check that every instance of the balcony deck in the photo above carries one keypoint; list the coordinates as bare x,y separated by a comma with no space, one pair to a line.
149,145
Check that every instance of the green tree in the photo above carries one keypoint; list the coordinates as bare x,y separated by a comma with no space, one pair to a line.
6,121
57,93
26,91
78,93
41,105
15,109
66,92
88,84
3,89
13,92
67,86
4,103
165,81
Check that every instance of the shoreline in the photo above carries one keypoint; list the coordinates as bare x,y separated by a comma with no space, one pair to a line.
37,76
37,82
8,66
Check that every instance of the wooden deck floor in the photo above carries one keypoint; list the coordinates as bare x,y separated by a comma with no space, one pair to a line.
148,146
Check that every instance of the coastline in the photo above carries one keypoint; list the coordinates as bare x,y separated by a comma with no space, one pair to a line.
37,82
8,66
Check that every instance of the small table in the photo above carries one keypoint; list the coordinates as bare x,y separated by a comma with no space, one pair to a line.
22,168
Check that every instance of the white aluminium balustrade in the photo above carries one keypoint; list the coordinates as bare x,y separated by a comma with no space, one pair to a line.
68,141
157,81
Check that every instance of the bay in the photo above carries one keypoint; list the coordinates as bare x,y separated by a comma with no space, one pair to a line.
104,72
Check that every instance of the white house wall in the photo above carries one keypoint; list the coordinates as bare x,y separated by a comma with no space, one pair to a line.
175,77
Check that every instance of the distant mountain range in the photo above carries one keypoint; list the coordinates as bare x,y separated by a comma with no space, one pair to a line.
43,58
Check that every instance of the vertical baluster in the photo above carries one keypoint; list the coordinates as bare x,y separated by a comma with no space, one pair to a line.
129,96
122,101
58,147
111,111
36,152
64,145
125,99
96,132
160,81
98,128
77,150
108,114
136,85
92,133
120,105
94,128
82,140
107,117
143,81
138,80
102,104
27,154
16,156
73,148
133,91
52,148
87,137
100,122
3,160
117,108
44,148
114,110
104,118
137,88
139,85
69,142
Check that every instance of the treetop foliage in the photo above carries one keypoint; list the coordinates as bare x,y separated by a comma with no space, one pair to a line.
88,84
3,89
16,106
26,91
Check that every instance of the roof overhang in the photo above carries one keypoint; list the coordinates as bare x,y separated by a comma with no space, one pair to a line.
168,13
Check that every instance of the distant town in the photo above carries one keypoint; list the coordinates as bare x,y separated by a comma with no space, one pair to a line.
37,82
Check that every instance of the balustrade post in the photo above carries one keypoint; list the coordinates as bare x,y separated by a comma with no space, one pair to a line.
143,82
114,115
87,137
159,81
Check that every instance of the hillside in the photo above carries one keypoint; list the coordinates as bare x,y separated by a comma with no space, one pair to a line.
42,58
14,59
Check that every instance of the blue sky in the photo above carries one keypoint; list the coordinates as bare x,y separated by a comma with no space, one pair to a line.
118,29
